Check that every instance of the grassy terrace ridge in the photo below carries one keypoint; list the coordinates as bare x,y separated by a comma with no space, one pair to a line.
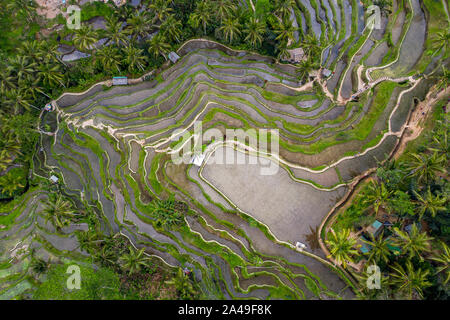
96,183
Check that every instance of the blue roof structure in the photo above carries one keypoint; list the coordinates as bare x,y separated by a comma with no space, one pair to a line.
120,81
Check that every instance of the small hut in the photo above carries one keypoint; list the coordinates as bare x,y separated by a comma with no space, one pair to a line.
173,57
119,81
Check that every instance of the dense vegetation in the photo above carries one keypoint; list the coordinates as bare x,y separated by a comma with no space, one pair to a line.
412,194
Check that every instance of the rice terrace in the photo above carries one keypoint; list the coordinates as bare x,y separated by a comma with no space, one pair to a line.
224,149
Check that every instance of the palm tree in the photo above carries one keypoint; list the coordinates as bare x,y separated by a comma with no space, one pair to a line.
58,210
379,249
110,58
441,40
158,46
50,75
183,284
106,256
88,241
255,32
311,46
283,52
413,243
21,67
384,6
135,58
18,99
364,293
283,8
285,31
443,79
305,68
409,280
342,246
26,7
10,184
440,139
114,31
201,15
430,203
134,260
9,144
376,195
7,81
230,29
85,38
5,160
139,25
425,167
223,9
161,8
171,28
444,259
39,265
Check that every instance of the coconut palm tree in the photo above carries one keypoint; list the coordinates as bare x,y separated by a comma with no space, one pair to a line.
9,142
255,31
18,100
50,75
283,52
202,15
110,58
39,266
430,203
31,49
171,28
439,137
223,8
7,81
134,261
85,38
9,184
183,284
305,68
135,58
114,31
21,67
59,211
158,46
283,8
5,160
413,243
384,5
311,46
444,259
139,25
424,167
365,293
106,256
409,280
441,41
230,29
342,246
285,31
443,79
379,249
25,7
161,9
376,196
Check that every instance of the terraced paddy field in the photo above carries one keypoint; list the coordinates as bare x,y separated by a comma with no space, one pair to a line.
111,147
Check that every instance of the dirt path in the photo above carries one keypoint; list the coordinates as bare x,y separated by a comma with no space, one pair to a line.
415,126
417,120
